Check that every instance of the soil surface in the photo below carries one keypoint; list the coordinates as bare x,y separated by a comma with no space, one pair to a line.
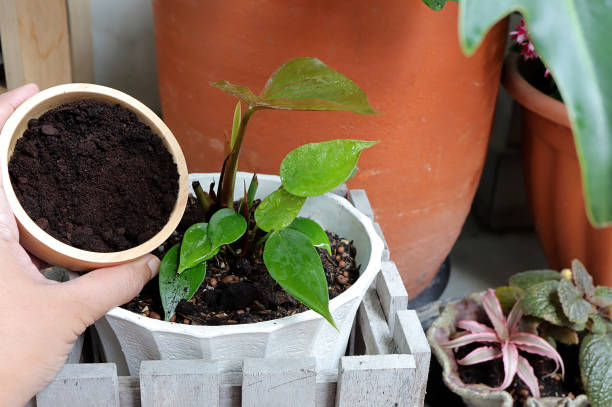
240,290
93,176
551,385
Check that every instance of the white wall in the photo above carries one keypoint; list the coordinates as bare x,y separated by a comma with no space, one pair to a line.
124,48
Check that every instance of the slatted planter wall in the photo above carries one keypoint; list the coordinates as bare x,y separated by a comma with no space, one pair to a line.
388,366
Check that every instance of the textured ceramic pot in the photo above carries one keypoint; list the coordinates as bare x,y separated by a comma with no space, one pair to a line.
304,334
32,237
554,185
477,395
437,104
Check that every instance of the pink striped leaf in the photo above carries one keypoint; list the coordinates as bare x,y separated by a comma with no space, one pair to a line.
495,313
526,374
479,355
474,327
510,357
471,338
534,344
514,317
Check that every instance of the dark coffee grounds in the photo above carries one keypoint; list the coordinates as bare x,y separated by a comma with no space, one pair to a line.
93,176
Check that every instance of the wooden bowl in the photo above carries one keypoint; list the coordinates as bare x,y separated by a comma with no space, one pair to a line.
36,240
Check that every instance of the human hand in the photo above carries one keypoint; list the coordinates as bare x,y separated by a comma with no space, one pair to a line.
41,319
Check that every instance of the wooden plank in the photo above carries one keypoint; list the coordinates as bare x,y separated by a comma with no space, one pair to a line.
91,385
35,42
359,199
386,252
81,43
391,292
410,338
381,380
174,383
279,382
374,328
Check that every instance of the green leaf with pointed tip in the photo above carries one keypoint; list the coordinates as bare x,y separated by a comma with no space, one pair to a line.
295,264
602,296
582,75
599,325
508,296
582,278
278,210
241,92
596,368
436,5
313,231
527,279
309,84
541,300
225,227
174,287
236,123
316,168
195,247
575,308
252,190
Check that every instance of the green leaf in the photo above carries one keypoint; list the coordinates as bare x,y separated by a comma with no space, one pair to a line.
542,301
436,5
508,296
570,39
313,231
196,247
309,84
575,308
559,334
316,168
596,368
252,190
278,210
236,123
225,227
295,264
599,325
602,296
175,287
527,279
582,278
241,92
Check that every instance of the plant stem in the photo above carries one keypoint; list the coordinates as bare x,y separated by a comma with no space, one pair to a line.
227,189
263,239
204,199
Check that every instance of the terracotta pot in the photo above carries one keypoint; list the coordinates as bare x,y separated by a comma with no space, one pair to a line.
437,104
554,185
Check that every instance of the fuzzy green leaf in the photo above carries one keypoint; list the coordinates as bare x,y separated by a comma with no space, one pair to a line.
559,334
225,227
174,287
602,296
582,75
530,278
295,264
575,308
596,368
599,325
278,210
313,231
236,123
542,301
582,278
309,84
316,168
508,296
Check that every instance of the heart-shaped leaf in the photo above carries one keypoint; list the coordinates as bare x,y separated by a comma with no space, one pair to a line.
225,227
542,301
575,308
278,210
530,278
196,247
174,287
596,368
295,264
316,168
313,231
582,278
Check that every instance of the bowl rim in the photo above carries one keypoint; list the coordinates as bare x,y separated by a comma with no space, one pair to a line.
8,133
205,331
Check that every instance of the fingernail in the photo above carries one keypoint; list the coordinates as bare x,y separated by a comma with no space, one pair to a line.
153,264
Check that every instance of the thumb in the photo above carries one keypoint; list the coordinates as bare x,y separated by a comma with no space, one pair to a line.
100,290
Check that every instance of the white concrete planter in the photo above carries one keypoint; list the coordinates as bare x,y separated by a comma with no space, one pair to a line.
477,395
301,335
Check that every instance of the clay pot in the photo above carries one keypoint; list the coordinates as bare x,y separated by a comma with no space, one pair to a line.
437,104
34,239
554,185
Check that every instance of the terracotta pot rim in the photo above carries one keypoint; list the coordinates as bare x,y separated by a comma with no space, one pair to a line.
529,96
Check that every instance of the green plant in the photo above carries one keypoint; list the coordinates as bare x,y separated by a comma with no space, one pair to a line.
289,242
570,36
567,307
508,340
